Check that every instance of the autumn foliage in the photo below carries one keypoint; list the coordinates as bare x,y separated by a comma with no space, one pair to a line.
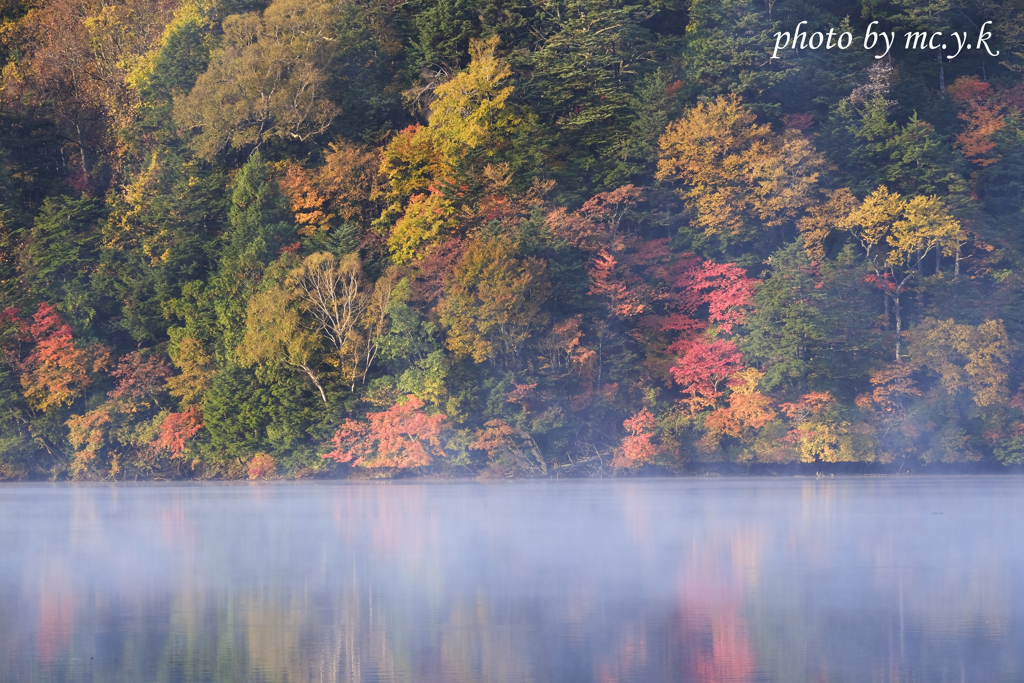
748,409
637,446
342,190
701,371
739,176
982,115
176,429
57,370
262,466
533,240
401,436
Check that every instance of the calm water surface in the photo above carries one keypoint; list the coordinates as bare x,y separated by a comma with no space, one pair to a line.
875,579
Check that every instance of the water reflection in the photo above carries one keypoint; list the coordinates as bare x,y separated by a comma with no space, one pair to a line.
732,580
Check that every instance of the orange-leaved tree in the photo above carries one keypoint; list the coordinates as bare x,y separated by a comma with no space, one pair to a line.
748,409
637,447
983,115
401,436
177,429
57,370
342,190
596,223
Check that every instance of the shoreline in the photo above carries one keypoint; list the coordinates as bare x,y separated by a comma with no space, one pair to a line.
650,473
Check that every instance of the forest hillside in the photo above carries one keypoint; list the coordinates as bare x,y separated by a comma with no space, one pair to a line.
242,238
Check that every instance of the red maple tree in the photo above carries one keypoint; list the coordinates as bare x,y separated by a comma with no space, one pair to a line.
637,447
702,369
57,370
140,379
401,436
177,429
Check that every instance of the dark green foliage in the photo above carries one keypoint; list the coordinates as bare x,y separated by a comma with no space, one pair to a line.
61,256
32,167
182,59
255,233
584,68
810,327
1000,186
163,241
16,445
787,330
266,409
909,159
410,338
442,33
654,103
728,48
370,71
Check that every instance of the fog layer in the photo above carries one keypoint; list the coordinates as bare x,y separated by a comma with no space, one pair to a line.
723,580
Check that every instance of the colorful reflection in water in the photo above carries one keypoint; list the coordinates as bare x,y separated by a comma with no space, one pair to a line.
684,580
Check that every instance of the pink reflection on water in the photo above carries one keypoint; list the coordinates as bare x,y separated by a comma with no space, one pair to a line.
56,617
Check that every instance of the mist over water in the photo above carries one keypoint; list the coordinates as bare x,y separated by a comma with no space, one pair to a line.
861,579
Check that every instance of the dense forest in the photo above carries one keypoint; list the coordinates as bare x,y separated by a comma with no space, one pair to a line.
539,237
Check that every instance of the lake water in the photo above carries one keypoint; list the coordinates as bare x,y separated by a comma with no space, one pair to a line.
789,580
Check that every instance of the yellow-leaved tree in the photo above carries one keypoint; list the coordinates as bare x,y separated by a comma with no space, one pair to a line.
269,79
493,302
326,311
470,110
738,177
274,331
976,358
896,236
431,169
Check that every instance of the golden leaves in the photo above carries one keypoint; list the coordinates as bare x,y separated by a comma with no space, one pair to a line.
268,80
469,110
493,301
969,357
873,219
427,218
823,219
469,115
738,176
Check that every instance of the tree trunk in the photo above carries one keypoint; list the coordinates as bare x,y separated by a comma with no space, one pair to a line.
920,273
313,378
316,384
899,324
81,150
322,394
535,450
